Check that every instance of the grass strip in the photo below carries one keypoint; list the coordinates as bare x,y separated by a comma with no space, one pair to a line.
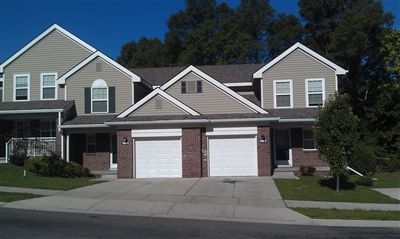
11,197
357,214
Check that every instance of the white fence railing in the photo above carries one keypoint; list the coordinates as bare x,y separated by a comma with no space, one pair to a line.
39,146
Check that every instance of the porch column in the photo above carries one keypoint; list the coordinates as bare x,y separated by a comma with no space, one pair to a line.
67,159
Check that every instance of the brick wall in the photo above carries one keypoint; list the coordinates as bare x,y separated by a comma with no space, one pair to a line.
204,153
300,156
264,152
98,161
125,155
191,153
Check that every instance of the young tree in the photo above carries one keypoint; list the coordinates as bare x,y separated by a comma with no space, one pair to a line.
336,134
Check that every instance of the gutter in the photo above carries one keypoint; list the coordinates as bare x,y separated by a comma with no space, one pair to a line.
297,120
30,111
80,126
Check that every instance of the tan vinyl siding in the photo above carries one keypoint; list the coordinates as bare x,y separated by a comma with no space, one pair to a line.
297,66
56,53
150,108
61,92
114,78
211,101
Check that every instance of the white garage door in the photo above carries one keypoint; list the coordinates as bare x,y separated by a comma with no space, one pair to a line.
234,156
158,158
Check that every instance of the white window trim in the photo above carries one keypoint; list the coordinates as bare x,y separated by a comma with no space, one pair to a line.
323,91
291,94
42,87
93,100
314,149
15,88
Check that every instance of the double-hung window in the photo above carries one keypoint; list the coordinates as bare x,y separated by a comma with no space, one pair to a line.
308,139
99,97
283,93
48,86
315,92
91,143
21,87
47,128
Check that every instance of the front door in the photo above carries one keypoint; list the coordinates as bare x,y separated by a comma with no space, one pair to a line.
113,155
283,152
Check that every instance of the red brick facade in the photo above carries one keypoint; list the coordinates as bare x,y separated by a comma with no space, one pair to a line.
191,153
99,161
204,153
125,155
264,151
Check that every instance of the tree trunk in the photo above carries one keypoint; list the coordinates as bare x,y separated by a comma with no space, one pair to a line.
337,183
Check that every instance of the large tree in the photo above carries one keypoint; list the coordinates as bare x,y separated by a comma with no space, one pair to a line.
146,52
336,134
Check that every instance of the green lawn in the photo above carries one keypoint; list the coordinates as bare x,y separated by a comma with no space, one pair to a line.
387,180
348,214
322,189
12,176
10,197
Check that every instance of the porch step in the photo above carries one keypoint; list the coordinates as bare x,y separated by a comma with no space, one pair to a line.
286,169
285,175
107,174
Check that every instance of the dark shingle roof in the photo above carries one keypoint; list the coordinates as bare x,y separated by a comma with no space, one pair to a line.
89,119
36,105
300,113
222,73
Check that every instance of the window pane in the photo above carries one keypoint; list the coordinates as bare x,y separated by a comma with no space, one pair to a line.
283,87
99,93
308,144
315,99
21,94
315,86
21,81
199,87
49,93
283,100
308,134
99,106
49,80
183,87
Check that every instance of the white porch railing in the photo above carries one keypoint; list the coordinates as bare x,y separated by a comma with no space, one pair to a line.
39,146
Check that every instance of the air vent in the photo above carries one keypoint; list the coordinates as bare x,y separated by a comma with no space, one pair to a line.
158,103
99,67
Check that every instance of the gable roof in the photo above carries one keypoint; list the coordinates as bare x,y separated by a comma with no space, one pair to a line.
217,84
338,70
40,37
163,94
237,73
127,72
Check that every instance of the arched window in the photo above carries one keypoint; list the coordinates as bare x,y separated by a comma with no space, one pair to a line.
99,92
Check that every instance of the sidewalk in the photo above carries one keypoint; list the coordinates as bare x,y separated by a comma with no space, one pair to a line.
38,191
246,200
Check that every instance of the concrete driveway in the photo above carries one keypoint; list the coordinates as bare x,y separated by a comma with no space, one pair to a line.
220,198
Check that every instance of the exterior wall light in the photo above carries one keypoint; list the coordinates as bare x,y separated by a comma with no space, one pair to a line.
263,139
125,141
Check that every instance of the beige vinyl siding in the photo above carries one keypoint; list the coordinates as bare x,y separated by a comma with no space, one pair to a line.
211,101
150,108
114,78
56,53
297,66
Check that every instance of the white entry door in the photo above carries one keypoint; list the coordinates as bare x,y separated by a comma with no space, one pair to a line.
233,156
158,158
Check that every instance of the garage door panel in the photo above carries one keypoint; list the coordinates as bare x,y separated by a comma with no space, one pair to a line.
233,156
158,158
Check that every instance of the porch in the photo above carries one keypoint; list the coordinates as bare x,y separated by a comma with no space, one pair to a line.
32,146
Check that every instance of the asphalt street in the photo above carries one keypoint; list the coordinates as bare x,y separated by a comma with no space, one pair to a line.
16,223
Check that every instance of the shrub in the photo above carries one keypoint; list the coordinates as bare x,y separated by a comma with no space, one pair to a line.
307,170
54,166
18,154
364,181
390,164
363,159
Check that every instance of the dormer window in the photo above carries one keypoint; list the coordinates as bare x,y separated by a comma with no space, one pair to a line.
191,87
99,94
21,87
48,86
